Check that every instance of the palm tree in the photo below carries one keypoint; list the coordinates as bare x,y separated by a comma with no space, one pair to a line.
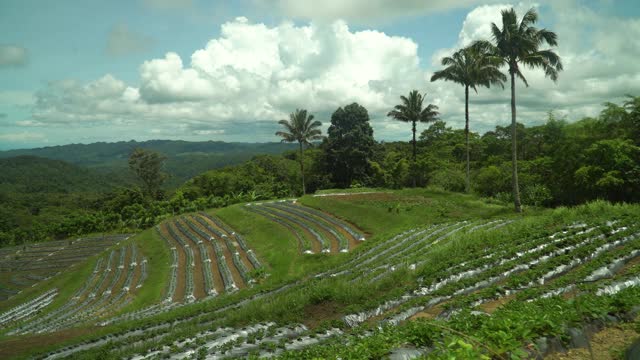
519,42
411,111
470,67
301,128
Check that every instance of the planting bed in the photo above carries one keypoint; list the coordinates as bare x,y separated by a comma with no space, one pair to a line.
315,230
25,266
217,259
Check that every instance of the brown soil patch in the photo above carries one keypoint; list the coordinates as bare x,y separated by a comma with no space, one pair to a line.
212,224
353,242
198,272
235,274
17,346
316,313
491,306
429,313
629,266
218,283
607,344
182,259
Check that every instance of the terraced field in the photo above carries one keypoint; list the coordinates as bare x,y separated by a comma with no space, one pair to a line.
208,258
25,266
426,282
315,230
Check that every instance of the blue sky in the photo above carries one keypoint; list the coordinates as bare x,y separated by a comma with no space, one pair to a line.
86,71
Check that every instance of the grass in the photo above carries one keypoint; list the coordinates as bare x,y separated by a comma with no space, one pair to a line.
386,214
151,246
275,245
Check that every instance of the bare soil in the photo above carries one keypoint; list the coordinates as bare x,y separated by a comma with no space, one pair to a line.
607,344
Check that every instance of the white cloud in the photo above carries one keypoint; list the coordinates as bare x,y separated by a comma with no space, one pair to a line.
13,55
29,123
122,41
22,137
599,65
251,73
16,97
254,74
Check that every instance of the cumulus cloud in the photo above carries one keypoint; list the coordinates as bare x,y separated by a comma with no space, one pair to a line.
13,56
366,11
254,74
16,97
251,73
597,68
122,41
22,137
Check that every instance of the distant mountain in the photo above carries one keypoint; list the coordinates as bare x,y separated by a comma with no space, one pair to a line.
185,159
32,174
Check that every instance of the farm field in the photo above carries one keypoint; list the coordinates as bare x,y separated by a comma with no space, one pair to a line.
408,272
25,266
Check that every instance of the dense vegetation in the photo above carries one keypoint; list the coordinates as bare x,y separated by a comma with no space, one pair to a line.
561,163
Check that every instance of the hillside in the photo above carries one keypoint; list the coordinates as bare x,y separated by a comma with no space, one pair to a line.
185,159
32,174
349,275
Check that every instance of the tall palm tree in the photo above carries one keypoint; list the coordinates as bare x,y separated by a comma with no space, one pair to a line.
301,128
411,110
470,67
519,42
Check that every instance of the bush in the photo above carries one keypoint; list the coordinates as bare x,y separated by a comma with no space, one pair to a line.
536,195
448,179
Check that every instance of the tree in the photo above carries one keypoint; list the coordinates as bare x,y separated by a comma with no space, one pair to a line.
147,165
471,67
349,145
303,129
519,42
411,110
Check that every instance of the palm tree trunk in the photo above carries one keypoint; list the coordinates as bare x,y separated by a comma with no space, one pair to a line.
304,190
414,153
514,147
466,133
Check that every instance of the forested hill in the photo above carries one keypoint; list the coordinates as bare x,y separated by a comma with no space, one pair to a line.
185,159
32,174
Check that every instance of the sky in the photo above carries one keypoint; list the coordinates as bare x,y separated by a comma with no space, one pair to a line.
91,70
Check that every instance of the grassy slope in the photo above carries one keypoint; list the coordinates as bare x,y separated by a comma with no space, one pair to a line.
386,214
274,244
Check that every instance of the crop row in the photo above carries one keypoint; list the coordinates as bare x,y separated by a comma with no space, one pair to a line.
470,280
317,222
28,308
303,241
319,238
98,296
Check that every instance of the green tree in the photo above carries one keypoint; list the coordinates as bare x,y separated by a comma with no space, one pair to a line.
411,110
611,170
147,165
518,43
301,128
349,145
471,67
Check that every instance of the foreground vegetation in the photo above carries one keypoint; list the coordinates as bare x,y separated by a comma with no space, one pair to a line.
415,238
